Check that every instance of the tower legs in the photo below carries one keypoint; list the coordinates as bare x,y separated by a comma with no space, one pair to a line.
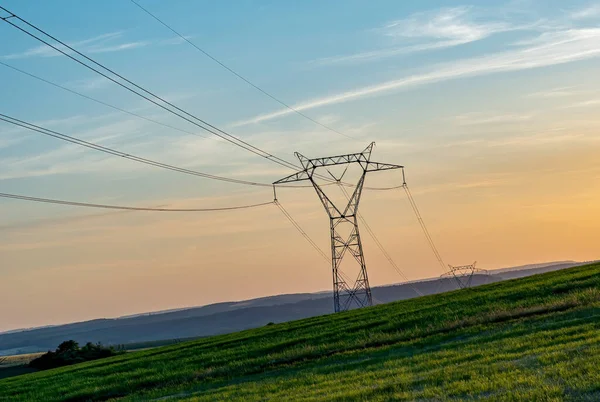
348,292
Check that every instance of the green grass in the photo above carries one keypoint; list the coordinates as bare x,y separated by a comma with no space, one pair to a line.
153,344
535,338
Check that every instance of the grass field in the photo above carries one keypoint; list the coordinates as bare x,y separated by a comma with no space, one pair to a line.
18,360
535,338
11,366
152,344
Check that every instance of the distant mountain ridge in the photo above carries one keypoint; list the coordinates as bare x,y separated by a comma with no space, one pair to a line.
226,317
535,266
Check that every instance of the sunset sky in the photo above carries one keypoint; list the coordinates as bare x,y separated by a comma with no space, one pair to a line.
492,107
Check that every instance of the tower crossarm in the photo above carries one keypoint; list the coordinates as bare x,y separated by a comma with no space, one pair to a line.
300,176
338,160
376,166
464,267
361,157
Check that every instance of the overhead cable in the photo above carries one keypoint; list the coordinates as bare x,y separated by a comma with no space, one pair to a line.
423,227
99,101
149,96
126,208
307,237
382,248
301,231
375,188
114,152
247,81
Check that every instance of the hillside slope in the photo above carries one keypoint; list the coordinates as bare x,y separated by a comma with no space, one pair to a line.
534,338
221,318
208,320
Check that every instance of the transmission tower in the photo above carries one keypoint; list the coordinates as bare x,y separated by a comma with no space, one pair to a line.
345,236
463,274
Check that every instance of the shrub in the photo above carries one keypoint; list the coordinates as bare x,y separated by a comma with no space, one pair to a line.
69,352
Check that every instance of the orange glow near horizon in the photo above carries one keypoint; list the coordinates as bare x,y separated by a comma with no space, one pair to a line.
112,265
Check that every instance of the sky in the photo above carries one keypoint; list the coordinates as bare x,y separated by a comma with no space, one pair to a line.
491,106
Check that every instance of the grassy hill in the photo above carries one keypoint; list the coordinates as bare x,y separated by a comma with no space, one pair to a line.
163,328
535,338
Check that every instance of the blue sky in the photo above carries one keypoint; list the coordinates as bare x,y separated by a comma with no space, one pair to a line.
481,101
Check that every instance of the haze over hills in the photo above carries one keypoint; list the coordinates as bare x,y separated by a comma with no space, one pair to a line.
220,318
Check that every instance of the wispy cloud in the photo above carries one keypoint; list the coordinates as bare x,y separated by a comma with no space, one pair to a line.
118,47
473,183
471,119
545,50
555,93
540,139
90,84
329,119
382,53
8,142
423,31
592,11
105,43
582,104
57,221
46,51
129,135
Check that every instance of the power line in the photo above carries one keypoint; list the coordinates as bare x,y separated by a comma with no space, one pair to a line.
301,231
381,248
143,117
376,188
99,101
114,152
151,97
77,141
306,236
424,228
177,112
126,208
284,104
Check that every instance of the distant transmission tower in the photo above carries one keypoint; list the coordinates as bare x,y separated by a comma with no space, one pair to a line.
463,274
345,236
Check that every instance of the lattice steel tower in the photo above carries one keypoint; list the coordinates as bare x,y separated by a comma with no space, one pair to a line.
346,294
463,274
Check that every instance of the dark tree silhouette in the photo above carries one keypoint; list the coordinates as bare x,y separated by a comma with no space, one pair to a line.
69,353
